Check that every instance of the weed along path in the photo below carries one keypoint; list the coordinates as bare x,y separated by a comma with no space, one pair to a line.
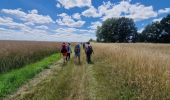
61,82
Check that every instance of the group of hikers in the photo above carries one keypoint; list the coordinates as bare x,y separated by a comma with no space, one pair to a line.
66,51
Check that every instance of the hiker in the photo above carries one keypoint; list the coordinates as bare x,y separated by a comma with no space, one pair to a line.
69,51
64,51
77,53
88,51
84,46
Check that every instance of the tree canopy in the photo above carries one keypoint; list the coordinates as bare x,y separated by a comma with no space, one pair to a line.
117,30
157,32
124,30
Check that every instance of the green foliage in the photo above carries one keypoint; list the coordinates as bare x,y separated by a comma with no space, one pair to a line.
157,31
116,30
10,81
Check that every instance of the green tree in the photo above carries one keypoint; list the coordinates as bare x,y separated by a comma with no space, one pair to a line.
151,33
116,30
157,31
165,36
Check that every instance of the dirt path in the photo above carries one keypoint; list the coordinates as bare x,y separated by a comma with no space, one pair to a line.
42,76
60,82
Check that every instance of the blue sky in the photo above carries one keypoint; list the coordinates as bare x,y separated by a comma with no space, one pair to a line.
72,20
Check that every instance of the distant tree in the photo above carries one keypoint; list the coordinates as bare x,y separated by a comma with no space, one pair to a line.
91,40
157,31
152,32
116,30
165,35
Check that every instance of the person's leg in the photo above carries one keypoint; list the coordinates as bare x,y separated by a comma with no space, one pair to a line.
68,56
88,58
79,59
75,57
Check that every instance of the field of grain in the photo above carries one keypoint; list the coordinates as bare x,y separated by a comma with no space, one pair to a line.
15,54
119,72
133,71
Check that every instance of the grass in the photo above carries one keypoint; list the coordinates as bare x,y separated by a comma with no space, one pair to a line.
120,72
69,83
16,54
10,81
132,71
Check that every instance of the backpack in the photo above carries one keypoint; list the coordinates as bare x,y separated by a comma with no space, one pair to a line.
64,49
89,50
77,49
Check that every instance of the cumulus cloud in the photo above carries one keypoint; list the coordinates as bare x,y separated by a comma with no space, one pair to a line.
95,24
163,11
125,8
18,28
75,3
8,22
60,34
43,27
107,10
77,16
58,5
67,20
157,19
91,12
31,17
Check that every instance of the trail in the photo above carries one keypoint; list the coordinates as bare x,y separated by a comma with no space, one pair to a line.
61,82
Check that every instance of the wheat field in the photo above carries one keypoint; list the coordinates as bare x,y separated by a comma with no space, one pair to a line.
15,54
135,71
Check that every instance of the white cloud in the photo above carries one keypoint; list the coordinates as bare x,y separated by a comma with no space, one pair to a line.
91,12
125,8
67,20
61,34
43,27
12,29
8,22
95,24
162,11
75,3
140,30
76,16
5,20
58,5
104,7
31,17
157,19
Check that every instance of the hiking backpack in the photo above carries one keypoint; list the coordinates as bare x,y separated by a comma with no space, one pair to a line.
77,49
64,49
89,50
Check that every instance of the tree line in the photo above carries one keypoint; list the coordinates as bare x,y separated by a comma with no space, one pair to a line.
124,30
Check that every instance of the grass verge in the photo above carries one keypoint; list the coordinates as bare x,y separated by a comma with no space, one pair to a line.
12,80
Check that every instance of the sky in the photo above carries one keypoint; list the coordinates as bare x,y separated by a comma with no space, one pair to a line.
72,20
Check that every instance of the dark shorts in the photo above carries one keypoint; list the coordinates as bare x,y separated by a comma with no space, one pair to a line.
77,54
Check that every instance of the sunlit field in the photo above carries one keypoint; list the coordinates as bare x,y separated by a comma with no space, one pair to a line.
132,71
15,54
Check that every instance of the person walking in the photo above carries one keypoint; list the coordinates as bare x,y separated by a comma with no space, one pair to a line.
77,53
88,51
69,51
64,51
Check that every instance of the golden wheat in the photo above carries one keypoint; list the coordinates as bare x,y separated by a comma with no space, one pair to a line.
15,54
142,69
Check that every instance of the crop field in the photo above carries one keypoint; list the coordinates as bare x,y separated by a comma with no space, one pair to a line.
133,71
15,54
119,72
